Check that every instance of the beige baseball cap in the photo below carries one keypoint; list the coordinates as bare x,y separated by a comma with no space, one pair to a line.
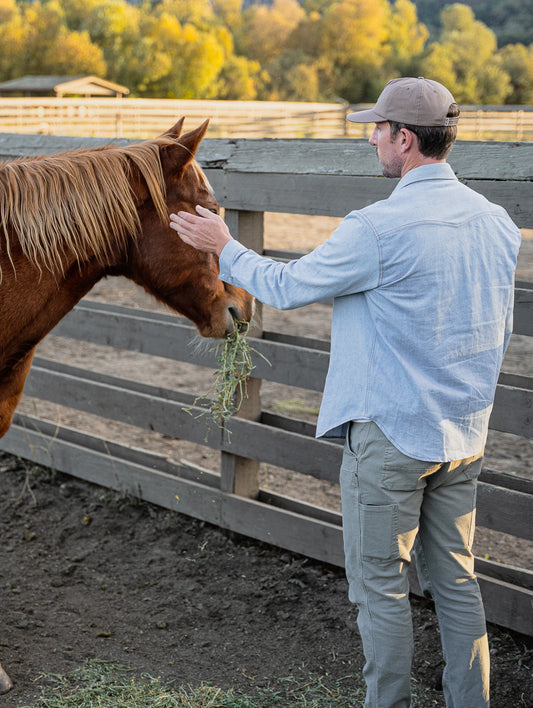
414,101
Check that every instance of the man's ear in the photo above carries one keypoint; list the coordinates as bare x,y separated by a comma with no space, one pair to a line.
407,139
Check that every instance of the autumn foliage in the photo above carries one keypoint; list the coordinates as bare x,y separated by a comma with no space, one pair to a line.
313,50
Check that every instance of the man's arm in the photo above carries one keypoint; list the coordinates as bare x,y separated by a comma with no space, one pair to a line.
346,263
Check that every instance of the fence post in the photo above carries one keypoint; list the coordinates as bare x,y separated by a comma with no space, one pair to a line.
240,475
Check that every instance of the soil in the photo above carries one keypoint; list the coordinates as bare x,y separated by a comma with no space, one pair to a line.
85,573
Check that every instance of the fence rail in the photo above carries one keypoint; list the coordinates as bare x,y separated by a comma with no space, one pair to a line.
250,177
137,117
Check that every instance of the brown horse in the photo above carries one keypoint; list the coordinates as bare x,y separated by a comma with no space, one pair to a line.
68,220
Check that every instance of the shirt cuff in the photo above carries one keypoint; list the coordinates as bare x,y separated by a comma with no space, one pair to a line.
228,254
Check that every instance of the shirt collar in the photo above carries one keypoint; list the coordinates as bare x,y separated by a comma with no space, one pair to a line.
436,170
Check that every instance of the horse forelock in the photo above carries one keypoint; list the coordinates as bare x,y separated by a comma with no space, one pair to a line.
79,203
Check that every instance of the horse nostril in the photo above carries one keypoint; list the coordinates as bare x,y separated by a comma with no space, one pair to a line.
234,313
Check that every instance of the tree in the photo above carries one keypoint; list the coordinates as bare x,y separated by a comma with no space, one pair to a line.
194,59
13,33
241,79
265,30
510,20
73,53
406,37
8,8
517,62
77,13
35,40
229,13
193,12
465,59
114,26
351,39
294,77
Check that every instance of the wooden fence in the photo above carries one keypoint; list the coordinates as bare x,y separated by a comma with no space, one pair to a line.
328,177
137,117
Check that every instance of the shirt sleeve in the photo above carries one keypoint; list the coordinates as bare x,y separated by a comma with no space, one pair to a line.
346,263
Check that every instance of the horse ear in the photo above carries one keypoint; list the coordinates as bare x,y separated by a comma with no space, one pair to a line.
176,157
175,131
192,139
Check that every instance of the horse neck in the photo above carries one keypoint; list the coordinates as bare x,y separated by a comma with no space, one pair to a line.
32,304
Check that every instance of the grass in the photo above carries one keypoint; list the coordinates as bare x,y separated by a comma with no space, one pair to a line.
103,685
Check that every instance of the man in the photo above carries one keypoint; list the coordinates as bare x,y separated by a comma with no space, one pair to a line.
423,295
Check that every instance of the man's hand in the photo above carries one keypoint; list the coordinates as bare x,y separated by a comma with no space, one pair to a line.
206,232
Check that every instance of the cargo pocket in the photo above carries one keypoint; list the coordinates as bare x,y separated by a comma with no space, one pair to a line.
379,531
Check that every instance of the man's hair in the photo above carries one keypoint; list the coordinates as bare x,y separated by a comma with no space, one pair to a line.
433,141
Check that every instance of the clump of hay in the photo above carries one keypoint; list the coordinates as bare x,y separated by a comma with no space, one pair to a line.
234,368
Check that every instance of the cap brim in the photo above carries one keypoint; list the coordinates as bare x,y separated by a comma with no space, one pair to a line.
369,116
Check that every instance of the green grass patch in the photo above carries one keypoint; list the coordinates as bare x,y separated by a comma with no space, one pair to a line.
103,685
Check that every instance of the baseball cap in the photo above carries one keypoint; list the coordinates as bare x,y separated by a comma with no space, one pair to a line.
414,101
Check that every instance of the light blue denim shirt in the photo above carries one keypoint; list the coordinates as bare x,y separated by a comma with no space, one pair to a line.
422,312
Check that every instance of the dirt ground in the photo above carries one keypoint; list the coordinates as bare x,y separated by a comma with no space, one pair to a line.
85,573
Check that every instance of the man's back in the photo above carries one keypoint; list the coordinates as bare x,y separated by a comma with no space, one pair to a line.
426,345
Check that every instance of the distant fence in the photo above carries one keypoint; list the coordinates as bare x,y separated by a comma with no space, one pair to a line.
134,118
250,177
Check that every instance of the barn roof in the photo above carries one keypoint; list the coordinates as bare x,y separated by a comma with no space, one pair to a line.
61,85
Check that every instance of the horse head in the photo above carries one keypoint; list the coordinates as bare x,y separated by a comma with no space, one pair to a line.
181,276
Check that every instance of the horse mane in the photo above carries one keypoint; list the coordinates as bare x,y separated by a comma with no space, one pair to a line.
79,202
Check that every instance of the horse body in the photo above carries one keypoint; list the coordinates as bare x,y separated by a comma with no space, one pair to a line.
68,220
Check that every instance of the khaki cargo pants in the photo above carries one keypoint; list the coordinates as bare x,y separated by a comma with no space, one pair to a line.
395,507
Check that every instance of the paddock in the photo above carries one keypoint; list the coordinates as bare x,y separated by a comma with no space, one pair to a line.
251,177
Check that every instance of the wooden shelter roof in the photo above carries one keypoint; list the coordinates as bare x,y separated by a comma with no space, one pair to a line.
61,85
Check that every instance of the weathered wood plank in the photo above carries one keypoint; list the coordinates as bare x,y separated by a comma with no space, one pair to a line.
337,195
238,474
505,603
523,311
288,364
505,510
516,576
507,480
516,380
136,330
338,156
469,159
171,336
313,194
513,411
345,173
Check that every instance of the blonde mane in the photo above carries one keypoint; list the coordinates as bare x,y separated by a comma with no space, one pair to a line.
79,202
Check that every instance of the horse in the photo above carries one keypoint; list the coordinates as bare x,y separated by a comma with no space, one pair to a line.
70,219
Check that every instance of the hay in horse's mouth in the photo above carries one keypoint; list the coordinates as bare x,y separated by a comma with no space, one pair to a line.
234,367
